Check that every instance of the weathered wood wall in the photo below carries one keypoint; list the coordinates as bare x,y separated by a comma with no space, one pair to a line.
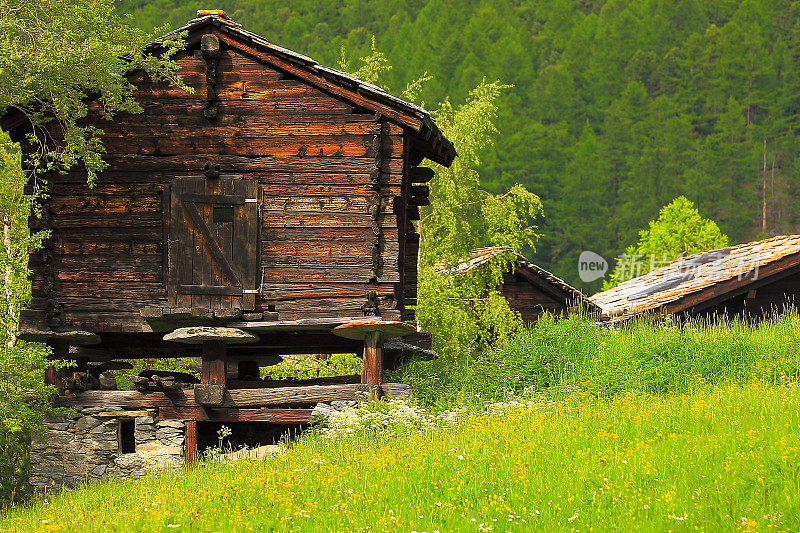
312,156
754,300
530,301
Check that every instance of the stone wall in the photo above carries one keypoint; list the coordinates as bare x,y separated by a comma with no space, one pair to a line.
85,446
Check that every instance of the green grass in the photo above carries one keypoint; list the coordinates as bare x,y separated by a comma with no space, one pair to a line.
650,427
644,356
720,458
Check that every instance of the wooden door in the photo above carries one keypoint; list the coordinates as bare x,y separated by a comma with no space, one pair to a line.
213,243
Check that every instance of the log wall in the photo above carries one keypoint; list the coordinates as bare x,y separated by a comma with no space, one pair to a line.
312,156
529,301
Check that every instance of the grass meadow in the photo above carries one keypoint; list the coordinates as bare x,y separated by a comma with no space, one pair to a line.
721,458
647,428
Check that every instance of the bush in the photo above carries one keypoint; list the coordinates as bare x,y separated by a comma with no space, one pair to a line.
23,405
310,367
646,356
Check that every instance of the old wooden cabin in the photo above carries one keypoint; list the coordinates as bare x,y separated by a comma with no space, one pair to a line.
269,213
529,289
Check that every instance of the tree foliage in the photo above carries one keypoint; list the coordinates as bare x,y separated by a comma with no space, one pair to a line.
464,312
679,230
55,53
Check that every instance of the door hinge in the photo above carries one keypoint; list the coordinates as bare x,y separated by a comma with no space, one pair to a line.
250,291
251,200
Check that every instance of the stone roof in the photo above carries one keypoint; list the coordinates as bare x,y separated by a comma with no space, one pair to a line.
690,280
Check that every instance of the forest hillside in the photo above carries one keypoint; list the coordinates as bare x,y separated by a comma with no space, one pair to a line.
617,107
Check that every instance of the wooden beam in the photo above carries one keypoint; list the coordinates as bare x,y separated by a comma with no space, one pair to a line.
213,372
307,324
241,398
274,416
59,351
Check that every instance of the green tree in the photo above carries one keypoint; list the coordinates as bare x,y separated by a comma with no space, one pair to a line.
55,53
464,312
679,230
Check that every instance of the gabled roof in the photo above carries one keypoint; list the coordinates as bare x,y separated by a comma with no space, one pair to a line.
482,256
336,82
701,279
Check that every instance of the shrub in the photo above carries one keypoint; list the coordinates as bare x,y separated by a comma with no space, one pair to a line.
23,404
310,367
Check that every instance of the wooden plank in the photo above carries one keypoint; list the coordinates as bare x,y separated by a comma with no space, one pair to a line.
124,205
231,125
302,291
109,303
324,272
210,290
275,416
237,163
286,255
323,204
99,220
252,145
273,183
227,199
224,234
262,396
101,289
321,324
64,245
246,243
304,107
373,359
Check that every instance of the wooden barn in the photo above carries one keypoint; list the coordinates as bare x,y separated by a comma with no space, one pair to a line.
750,280
269,213
530,290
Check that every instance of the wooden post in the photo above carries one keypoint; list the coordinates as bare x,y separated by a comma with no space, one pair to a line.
373,359
190,442
53,376
213,372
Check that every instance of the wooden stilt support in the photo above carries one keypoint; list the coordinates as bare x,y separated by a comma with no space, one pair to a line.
213,372
212,389
373,332
190,441
373,359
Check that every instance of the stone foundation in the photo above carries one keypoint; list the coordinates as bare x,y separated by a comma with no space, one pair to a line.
85,446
